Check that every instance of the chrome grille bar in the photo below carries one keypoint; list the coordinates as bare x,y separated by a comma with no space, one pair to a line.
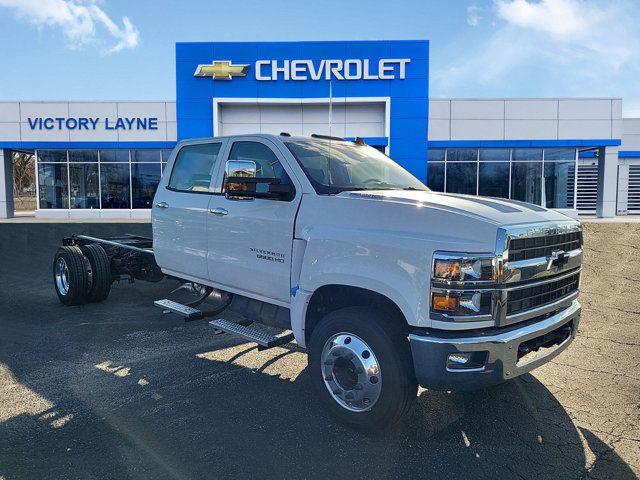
535,296
536,247
551,265
529,287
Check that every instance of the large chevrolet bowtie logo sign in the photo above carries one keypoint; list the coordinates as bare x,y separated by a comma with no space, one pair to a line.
303,70
221,70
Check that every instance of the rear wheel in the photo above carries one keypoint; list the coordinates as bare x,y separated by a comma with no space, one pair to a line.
70,275
101,272
360,365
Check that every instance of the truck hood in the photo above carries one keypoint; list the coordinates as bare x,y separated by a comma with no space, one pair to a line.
384,240
497,211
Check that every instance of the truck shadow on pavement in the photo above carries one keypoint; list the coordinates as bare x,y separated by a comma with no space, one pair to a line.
117,390
195,415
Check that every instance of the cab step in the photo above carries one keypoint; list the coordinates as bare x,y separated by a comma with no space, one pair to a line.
263,339
189,313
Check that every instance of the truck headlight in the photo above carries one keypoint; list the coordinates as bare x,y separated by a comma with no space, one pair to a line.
461,303
462,269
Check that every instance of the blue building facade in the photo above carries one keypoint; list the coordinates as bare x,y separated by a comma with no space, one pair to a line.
395,73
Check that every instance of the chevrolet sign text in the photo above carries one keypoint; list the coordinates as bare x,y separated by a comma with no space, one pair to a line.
351,69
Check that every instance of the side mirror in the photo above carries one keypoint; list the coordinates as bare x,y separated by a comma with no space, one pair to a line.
240,182
241,168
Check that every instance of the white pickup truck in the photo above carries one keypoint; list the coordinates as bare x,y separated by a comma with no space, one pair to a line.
386,284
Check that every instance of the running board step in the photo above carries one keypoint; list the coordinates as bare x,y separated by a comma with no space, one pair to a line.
253,334
189,313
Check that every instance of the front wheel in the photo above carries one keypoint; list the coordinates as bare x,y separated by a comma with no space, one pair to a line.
360,364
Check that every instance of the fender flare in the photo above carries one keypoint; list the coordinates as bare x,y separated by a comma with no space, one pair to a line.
300,298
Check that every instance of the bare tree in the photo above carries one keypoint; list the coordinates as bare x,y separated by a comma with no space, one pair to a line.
24,180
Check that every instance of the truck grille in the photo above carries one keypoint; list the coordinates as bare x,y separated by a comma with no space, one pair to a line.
536,247
530,297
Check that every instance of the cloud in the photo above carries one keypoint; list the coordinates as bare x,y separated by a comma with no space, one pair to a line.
560,18
83,23
550,48
473,15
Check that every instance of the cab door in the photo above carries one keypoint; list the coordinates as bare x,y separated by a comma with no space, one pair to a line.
180,210
251,240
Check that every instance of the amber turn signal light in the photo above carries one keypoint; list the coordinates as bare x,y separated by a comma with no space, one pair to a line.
444,303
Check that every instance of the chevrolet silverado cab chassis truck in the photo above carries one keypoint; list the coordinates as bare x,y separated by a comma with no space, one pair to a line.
386,284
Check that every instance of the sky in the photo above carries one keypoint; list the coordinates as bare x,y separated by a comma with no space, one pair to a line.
125,49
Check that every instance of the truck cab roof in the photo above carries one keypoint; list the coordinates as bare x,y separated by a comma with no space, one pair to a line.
283,136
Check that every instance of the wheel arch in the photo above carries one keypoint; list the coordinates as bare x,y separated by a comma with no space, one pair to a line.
331,297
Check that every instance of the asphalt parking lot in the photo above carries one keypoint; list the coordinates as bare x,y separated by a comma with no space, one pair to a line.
119,390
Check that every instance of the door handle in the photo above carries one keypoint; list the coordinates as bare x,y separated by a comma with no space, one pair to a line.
162,205
221,212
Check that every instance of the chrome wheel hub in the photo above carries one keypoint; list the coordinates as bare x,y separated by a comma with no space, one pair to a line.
62,276
351,372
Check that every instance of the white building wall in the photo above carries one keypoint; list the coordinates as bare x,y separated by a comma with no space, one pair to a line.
525,119
14,126
631,134
629,168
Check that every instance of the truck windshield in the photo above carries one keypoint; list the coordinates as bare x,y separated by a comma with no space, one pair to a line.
334,167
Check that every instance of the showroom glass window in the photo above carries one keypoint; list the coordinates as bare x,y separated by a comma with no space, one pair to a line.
493,172
526,175
462,171
53,179
107,179
542,176
84,179
115,179
146,170
435,169
146,156
559,177
114,156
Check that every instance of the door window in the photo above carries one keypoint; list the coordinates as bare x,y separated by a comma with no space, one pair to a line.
267,163
193,167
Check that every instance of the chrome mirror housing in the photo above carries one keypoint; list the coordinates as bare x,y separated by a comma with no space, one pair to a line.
241,168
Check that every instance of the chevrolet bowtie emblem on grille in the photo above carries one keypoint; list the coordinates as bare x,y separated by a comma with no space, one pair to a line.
558,258
221,70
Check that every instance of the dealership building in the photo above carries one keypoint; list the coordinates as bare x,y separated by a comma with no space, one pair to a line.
105,159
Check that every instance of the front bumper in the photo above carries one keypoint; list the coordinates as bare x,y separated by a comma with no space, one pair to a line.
503,351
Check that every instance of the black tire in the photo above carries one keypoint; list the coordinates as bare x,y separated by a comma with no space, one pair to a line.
101,272
390,347
70,277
